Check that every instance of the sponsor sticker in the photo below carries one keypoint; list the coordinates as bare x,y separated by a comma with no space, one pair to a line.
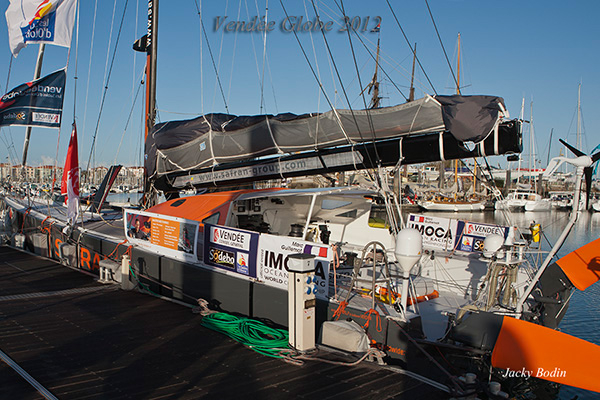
466,243
437,233
230,238
221,258
241,264
45,118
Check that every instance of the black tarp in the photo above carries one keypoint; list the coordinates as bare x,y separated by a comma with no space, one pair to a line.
470,118
216,139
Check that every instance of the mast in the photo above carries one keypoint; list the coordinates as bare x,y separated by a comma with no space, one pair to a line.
411,93
521,117
458,68
373,86
36,75
148,198
151,49
549,146
532,150
579,116
458,93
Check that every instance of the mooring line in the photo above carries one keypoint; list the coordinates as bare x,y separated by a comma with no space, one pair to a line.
38,386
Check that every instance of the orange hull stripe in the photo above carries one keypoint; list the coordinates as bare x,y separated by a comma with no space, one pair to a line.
582,266
547,354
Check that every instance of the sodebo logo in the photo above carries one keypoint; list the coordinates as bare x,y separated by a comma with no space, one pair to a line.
222,257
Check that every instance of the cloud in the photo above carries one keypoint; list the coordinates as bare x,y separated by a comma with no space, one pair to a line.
47,160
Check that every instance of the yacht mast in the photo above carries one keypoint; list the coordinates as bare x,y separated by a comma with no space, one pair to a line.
458,93
36,76
532,149
521,118
411,93
579,117
151,50
148,198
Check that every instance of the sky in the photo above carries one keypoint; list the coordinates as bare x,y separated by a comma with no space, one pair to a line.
539,51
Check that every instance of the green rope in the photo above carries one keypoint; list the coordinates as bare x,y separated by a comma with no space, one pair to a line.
251,333
143,286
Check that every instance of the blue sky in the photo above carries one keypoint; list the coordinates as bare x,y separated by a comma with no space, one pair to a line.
537,50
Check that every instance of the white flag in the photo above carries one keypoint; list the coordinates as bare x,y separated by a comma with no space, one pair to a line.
40,21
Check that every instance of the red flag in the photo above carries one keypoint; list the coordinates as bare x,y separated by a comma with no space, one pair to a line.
70,178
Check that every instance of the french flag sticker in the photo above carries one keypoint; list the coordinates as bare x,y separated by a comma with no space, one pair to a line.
315,250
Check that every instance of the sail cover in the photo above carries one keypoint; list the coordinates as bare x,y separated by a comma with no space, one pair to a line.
213,139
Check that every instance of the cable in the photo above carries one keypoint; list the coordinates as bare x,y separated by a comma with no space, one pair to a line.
441,43
106,85
410,47
212,59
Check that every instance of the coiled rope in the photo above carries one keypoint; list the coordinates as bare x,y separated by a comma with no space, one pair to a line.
251,333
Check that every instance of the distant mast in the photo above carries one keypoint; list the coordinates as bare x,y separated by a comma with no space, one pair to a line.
373,86
411,93
579,116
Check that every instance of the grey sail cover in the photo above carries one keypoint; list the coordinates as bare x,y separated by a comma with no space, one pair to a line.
470,118
214,139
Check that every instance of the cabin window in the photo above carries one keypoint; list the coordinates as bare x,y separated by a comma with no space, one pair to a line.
213,219
378,217
178,203
348,214
332,204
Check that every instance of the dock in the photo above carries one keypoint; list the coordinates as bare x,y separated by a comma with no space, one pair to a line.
64,335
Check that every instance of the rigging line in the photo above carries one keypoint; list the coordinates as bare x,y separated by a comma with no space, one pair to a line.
202,64
254,53
369,117
411,48
312,42
133,54
219,60
382,56
266,66
441,43
87,89
262,78
233,52
211,56
105,79
129,118
12,143
55,167
380,66
341,85
106,85
315,75
334,110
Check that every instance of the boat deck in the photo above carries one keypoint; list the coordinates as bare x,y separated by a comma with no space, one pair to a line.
80,339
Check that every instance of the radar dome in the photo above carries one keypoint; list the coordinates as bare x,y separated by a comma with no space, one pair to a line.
409,245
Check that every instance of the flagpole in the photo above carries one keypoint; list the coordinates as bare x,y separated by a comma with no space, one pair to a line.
36,76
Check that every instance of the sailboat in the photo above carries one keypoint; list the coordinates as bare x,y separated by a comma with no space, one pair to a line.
527,199
236,248
443,202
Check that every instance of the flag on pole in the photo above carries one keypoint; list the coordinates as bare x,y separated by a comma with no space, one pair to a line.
40,21
36,103
70,179
377,28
